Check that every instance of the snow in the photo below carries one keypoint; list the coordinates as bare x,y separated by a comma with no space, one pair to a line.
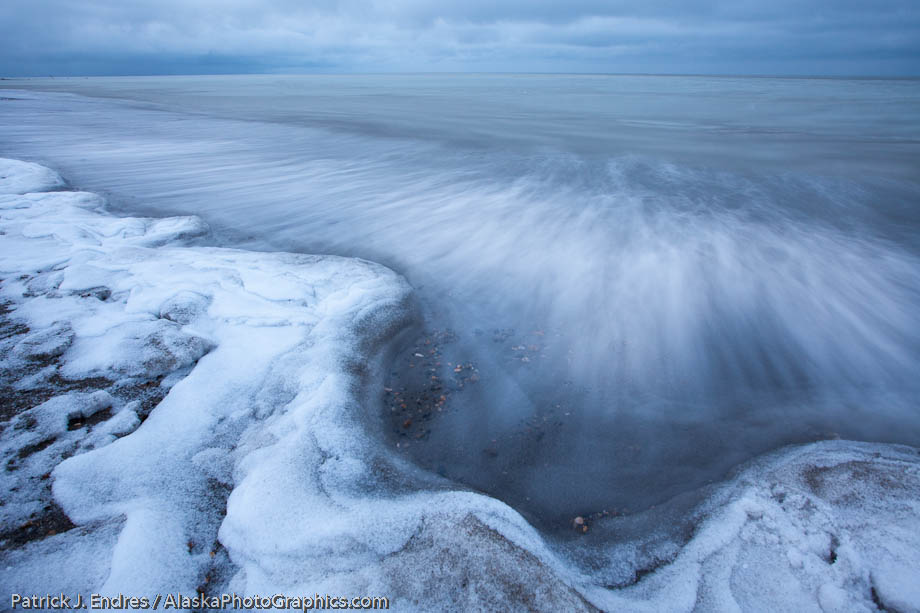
261,469
820,527
17,177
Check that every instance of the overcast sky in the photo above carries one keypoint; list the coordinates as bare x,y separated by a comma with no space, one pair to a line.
112,37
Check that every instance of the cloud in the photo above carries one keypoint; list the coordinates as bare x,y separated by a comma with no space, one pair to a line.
189,36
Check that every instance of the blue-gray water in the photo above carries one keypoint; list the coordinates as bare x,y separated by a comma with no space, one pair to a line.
655,277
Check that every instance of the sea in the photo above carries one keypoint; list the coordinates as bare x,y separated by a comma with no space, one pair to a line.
627,285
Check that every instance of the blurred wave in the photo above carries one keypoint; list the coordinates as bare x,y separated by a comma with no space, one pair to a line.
657,279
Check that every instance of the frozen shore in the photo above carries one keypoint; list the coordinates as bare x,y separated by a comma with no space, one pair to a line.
180,418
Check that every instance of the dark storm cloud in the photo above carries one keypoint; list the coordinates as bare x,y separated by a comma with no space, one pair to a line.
40,37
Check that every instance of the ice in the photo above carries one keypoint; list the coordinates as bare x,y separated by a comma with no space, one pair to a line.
77,561
38,439
136,348
18,177
262,470
809,528
48,342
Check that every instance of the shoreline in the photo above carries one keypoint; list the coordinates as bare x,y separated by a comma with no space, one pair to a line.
271,364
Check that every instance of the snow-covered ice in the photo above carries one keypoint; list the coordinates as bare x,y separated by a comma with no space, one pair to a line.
259,467
17,177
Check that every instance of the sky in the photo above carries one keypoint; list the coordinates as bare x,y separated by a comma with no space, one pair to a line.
146,37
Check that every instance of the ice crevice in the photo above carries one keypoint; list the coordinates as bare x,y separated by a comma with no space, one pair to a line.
200,419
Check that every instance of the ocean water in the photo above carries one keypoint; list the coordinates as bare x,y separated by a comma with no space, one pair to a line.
628,285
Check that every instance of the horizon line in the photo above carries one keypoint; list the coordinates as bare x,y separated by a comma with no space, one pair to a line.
470,73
